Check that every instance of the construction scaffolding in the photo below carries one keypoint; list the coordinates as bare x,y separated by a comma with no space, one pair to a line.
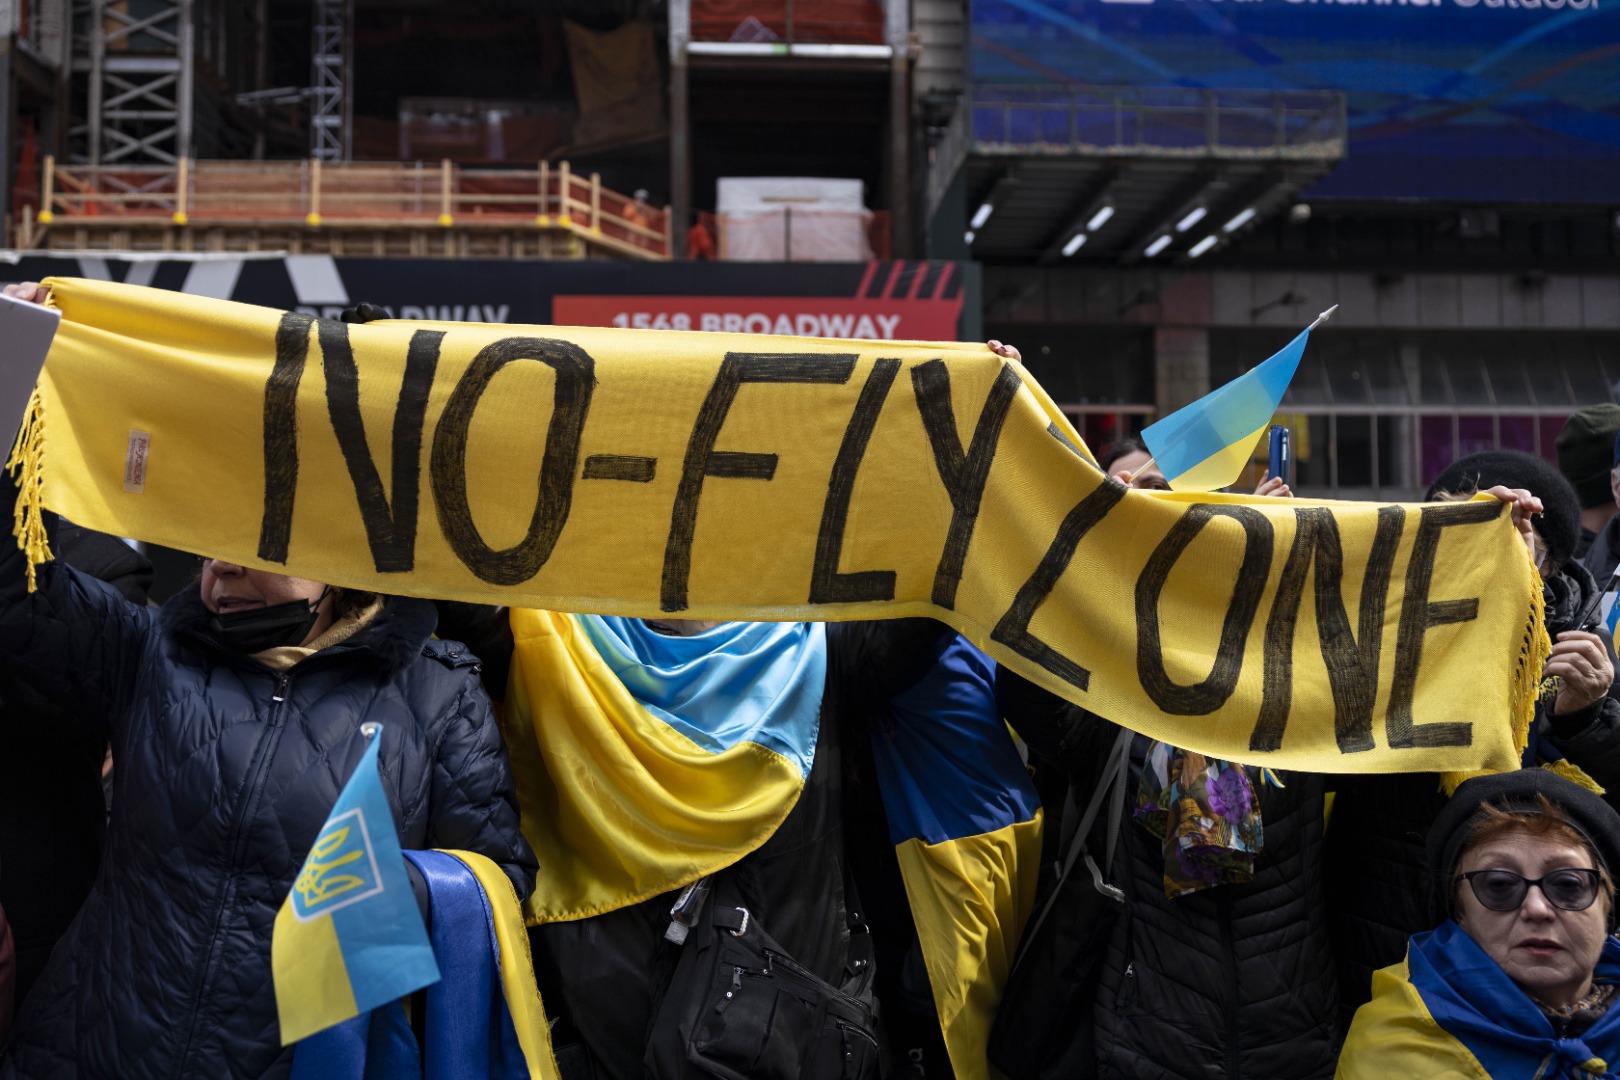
383,208
330,122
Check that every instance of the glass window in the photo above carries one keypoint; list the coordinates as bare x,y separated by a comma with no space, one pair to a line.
1467,378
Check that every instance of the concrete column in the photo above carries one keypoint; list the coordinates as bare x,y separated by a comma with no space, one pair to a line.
897,34
680,123
1180,366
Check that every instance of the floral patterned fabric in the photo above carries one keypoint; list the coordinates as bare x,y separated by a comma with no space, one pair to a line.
1206,812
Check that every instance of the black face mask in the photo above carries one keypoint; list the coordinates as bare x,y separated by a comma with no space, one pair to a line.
258,629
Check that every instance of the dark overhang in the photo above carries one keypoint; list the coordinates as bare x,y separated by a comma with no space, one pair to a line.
1129,174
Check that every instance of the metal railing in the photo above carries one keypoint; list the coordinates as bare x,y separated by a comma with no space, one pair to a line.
1158,121
350,195
789,22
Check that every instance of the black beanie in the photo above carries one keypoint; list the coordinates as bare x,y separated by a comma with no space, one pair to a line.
1515,792
1586,452
1559,523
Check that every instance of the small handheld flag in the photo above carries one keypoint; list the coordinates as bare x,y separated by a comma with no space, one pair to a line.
349,936
1205,445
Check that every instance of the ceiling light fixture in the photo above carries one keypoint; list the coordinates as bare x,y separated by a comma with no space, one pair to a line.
1157,246
1076,242
1240,219
1191,218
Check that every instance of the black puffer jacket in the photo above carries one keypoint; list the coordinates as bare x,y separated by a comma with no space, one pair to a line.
1235,981
225,772
1379,887
53,809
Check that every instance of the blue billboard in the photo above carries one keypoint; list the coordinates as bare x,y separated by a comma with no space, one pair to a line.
1473,101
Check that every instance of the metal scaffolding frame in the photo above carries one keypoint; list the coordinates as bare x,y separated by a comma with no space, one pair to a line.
141,76
146,87
330,129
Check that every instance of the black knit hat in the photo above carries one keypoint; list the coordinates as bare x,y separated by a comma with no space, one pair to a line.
1559,523
1515,792
1586,452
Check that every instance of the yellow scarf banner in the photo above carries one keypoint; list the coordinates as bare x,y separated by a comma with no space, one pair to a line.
721,476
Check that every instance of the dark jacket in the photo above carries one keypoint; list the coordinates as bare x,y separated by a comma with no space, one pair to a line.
8,975
1234,981
53,811
1379,887
604,976
225,772
1601,557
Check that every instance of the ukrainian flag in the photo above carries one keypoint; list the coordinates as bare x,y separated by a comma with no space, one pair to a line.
644,761
483,1021
349,936
1205,445
966,824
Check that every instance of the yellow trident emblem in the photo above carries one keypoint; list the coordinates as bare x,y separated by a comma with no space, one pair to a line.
319,882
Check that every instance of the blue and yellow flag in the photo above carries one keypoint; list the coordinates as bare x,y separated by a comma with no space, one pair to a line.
645,761
1450,1010
1205,445
483,1021
349,936
966,824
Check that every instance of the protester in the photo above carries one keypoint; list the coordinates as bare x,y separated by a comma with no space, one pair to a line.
1586,457
1603,556
604,978
1377,876
53,811
234,715
1216,968
1521,979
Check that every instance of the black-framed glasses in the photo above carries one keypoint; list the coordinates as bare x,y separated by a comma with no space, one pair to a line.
1572,889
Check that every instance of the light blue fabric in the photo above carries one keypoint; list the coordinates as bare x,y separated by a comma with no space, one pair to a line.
737,682
354,875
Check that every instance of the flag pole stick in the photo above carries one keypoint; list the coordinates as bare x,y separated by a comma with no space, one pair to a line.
1324,317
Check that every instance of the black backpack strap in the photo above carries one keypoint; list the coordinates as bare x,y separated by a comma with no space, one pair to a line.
1113,772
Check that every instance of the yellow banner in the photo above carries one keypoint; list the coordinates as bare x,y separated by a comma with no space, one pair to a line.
722,476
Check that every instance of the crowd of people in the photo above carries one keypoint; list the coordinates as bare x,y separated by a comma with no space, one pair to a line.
1252,924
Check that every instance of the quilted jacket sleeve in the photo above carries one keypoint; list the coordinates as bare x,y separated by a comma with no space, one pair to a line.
1590,738
74,639
473,800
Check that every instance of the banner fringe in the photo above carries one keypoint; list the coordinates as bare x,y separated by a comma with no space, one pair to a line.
1534,649
26,466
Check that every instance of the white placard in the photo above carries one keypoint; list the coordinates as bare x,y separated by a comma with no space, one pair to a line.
26,330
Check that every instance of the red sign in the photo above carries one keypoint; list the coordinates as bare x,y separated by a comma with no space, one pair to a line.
800,316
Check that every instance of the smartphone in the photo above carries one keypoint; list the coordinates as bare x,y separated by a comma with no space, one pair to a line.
1282,455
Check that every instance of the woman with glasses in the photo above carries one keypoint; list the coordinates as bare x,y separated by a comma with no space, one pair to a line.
1523,978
